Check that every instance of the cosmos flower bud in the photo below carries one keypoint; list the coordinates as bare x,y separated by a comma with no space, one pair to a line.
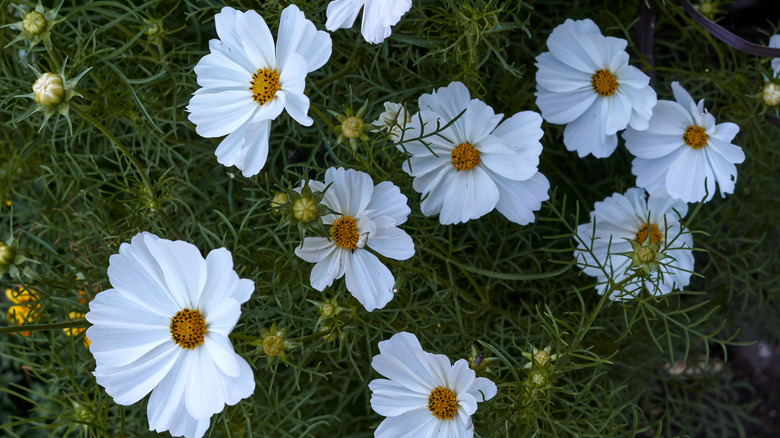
7,254
49,90
771,94
34,23
305,209
352,127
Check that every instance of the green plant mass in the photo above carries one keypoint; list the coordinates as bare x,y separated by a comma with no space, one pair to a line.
390,218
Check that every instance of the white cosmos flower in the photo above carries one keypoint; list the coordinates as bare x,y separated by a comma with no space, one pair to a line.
620,219
684,151
774,42
378,16
164,328
247,82
368,216
393,120
585,82
425,395
476,164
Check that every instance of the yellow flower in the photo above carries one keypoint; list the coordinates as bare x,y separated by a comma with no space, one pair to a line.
23,310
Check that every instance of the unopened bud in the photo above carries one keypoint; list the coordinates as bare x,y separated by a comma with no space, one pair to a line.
352,127
49,90
771,94
34,23
279,199
645,254
305,209
7,254
273,345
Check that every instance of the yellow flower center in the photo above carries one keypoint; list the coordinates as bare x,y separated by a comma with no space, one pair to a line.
188,328
655,235
443,403
344,232
264,85
695,137
603,82
273,345
465,157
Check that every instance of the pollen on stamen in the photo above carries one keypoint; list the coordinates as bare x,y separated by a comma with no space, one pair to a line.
443,403
695,137
344,233
603,82
655,234
264,85
465,157
188,328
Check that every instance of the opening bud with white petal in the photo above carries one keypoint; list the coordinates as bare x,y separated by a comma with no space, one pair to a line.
49,89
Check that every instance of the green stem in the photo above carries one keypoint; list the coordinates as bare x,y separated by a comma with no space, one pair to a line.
144,177
79,323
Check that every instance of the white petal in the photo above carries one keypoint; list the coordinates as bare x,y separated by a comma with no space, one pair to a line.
184,269
297,103
218,114
586,135
477,122
518,200
256,39
222,316
389,399
387,200
129,383
330,268
470,195
446,102
203,393
256,146
217,70
315,249
561,108
298,35
368,280
352,189
413,424
392,242
556,76
342,13
221,276
686,177
730,152
220,351
571,45
499,159
166,409
647,145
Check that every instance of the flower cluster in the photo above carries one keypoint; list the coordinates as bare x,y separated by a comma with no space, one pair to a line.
163,328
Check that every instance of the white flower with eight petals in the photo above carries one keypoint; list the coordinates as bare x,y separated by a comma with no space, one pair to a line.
425,396
621,219
247,82
585,82
683,151
476,164
164,328
368,216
